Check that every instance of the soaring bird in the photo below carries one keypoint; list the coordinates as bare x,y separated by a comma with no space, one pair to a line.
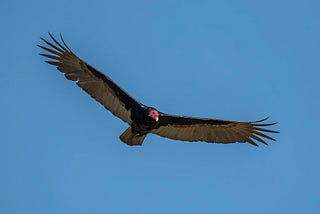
143,119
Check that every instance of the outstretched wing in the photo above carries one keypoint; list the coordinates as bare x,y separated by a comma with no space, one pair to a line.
212,130
95,83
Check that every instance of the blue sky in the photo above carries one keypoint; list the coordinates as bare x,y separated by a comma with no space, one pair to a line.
238,60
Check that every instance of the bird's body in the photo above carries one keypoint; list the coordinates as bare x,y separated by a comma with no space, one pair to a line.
143,119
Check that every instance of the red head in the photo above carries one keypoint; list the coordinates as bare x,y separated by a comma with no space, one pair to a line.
154,114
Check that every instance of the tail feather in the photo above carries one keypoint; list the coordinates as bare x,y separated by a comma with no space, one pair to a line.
132,139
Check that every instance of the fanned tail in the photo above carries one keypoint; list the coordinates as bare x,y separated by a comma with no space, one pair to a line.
132,139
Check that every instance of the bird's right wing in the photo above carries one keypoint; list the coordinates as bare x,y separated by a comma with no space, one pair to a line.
211,130
95,83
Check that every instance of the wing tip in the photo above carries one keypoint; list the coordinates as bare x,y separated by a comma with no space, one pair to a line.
58,46
257,132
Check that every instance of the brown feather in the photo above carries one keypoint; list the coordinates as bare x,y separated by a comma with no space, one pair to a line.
211,130
96,84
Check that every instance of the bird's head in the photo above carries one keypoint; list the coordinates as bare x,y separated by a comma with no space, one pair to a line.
154,114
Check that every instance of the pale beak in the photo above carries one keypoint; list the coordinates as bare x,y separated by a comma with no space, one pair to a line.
157,118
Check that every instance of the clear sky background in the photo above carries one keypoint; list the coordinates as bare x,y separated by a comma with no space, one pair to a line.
238,60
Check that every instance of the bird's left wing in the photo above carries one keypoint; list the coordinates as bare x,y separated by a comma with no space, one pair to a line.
95,83
211,130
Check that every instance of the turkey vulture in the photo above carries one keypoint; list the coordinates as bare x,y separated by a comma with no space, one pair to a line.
143,119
